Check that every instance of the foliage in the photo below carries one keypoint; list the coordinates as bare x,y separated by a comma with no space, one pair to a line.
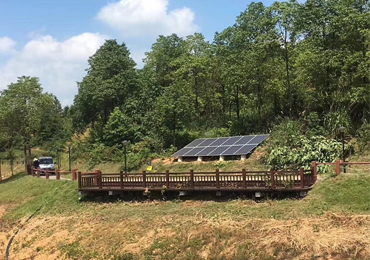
28,116
364,136
288,148
306,61
120,127
302,152
110,81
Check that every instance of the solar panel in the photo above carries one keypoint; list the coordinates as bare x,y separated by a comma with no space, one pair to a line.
206,151
207,142
232,140
182,152
225,146
218,151
195,143
220,141
258,139
246,149
194,151
244,140
232,150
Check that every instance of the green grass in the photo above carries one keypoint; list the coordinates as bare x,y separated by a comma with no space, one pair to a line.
347,193
170,221
341,194
26,193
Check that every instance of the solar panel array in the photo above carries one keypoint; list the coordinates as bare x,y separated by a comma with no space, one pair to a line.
236,145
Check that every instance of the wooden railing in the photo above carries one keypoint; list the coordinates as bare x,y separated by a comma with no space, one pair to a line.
38,172
338,166
244,180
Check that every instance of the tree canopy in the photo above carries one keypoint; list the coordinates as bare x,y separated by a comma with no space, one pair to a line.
309,62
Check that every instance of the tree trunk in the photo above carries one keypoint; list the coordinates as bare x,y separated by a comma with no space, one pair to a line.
196,98
237,103
259,100
288,74
25,159
174,128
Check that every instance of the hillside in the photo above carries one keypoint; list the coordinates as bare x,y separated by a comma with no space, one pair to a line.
330,223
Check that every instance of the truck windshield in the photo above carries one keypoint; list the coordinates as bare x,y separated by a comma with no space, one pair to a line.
46,161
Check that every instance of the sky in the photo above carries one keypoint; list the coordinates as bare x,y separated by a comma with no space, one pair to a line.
52,40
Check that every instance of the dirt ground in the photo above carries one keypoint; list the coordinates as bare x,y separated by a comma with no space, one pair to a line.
331,236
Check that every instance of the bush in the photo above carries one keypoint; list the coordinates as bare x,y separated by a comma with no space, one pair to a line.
101,153
303,152
314,125
364,136
289,149
216,132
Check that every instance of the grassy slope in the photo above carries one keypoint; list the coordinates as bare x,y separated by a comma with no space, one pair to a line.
161,165
193,229
187,230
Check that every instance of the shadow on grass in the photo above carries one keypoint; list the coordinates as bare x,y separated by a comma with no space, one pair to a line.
102,197
15,177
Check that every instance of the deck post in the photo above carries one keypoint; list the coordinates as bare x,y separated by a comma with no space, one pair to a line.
301,173
96,183
191,178
244,179
57,175
217,178
79,180
272,180
100,179
314,171
74,175
167,179
47,174
121,179
337,167
144,179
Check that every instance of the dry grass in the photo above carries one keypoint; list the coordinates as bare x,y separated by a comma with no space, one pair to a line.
331,223
6,171
331,236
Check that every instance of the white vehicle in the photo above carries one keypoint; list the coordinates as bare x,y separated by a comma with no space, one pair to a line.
47,163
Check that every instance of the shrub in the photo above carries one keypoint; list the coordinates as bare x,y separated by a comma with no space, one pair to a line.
288,148
302,152
364,136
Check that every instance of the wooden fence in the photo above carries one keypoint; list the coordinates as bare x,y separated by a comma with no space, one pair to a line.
301,180
47,173
231,181
339,166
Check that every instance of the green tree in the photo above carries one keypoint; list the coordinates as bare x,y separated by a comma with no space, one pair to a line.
21,105
173,112
111,79
119,128
162,56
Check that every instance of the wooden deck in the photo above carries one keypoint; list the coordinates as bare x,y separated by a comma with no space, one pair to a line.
198,181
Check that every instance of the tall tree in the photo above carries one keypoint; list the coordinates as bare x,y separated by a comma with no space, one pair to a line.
21,107
111,79
193,66
162,56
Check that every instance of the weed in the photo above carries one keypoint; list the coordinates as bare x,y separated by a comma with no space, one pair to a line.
125,256
72,250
